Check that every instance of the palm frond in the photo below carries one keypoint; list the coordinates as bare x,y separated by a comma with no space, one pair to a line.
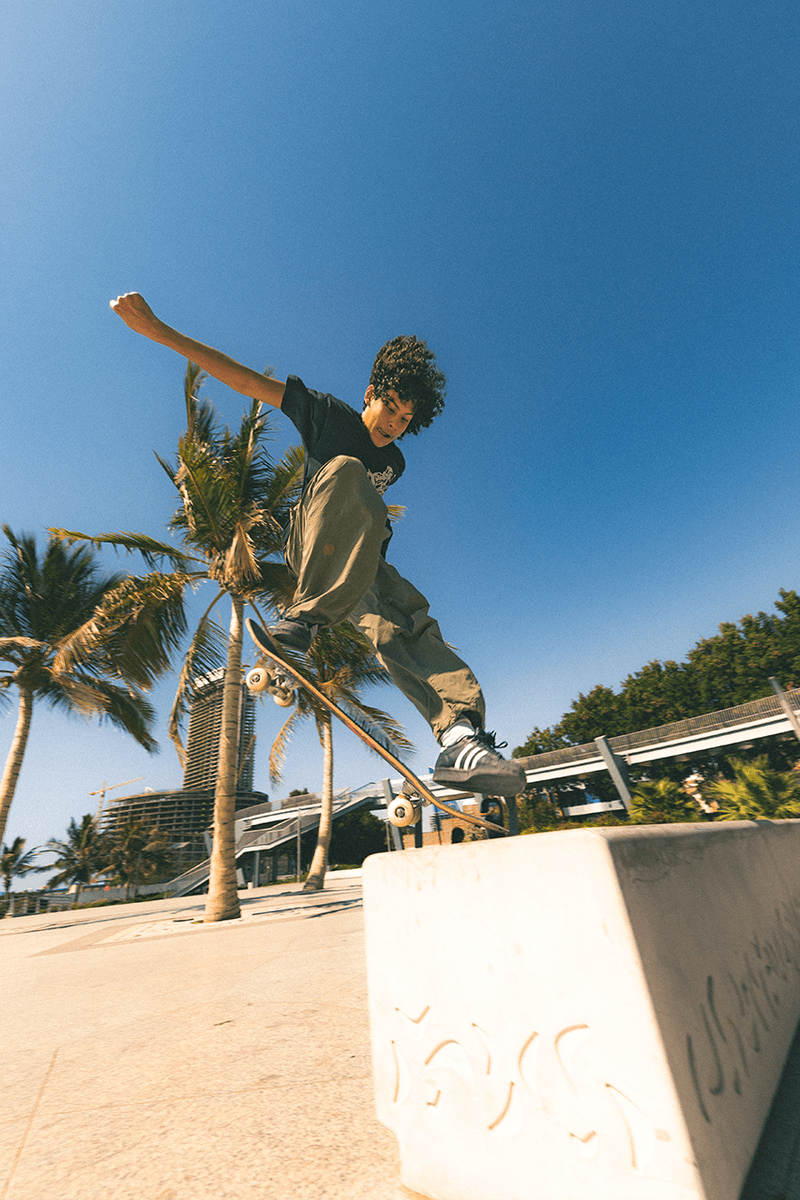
129,711
121,705
206,653
385,729
286,478
167,467
200,416
204,499
9,644
152,551
72,692
275,587
277,753
134,631
756,792
240,563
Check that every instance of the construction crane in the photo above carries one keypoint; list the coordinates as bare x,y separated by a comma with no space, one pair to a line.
101,792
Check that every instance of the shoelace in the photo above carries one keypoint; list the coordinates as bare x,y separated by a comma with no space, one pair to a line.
489,740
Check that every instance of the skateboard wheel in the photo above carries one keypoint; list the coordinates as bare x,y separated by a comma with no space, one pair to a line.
257,680
403,811
283,697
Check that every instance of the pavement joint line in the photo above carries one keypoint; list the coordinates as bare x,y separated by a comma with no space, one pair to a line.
29,1126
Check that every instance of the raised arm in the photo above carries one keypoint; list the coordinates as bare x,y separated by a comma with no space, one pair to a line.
138,315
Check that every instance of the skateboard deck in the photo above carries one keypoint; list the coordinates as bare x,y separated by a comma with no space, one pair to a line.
406,808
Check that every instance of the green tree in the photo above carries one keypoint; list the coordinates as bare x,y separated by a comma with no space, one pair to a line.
356,836
661,802
79,641
15,862
340,662
81,857
233,502
601,713
541,741
135,853
732,667
537,813
756,792
659,694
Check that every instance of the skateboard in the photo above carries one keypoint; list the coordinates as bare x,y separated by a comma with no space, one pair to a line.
281,678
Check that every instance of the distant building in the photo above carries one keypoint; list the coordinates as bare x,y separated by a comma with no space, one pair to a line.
186,813
202,743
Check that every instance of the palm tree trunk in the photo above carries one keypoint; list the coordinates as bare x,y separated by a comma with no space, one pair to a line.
223,899
319,863
16,754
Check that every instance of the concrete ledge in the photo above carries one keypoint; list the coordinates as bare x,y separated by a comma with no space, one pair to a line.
589,1015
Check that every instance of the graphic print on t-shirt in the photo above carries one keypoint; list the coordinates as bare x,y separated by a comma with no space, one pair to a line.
382,479
330,428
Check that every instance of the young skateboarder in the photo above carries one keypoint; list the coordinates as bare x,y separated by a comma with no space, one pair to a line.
338,534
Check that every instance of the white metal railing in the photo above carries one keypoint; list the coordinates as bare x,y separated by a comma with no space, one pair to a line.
744,722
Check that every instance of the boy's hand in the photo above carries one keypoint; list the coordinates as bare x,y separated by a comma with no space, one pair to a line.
137,314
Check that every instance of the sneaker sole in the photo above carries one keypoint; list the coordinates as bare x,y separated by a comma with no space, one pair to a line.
263,637
487,785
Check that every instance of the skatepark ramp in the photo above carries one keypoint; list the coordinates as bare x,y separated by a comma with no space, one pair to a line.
744,723
278,833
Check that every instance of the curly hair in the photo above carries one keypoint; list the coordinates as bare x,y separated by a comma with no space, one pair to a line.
409,367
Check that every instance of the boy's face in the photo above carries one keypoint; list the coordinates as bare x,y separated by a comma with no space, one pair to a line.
386,417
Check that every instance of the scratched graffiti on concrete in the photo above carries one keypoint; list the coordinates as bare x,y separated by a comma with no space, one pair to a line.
741,1006
507,1087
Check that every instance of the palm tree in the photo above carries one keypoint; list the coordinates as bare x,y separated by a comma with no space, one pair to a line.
136,852
81,857
340,662
80,641
233,502
757,792
15,861
661,802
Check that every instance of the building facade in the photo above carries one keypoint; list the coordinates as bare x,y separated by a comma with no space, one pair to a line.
205,724
186,813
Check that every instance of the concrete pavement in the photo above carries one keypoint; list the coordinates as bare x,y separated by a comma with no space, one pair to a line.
146,1056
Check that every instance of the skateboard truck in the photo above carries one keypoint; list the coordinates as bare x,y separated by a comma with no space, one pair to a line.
279,686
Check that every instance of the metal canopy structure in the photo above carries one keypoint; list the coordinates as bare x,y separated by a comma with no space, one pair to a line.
772,715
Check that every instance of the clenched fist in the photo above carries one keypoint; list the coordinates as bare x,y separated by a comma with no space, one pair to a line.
137,314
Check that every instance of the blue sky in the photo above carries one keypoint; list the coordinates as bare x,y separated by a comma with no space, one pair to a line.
590,211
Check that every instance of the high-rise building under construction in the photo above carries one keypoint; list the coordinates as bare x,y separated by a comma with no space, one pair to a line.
186,814
202,743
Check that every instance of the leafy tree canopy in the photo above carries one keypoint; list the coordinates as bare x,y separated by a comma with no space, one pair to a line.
732,667
356,836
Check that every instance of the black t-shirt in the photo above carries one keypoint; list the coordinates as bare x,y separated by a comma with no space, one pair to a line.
330,427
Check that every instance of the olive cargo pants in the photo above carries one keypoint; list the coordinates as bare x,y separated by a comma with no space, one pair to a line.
334,551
